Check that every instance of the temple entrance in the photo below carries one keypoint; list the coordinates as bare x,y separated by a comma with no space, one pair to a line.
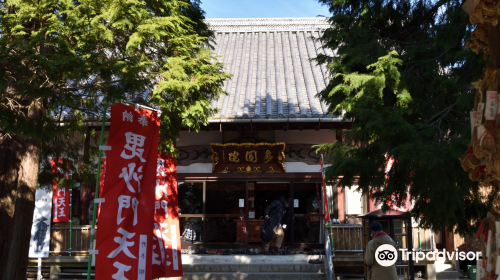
229,214
260,195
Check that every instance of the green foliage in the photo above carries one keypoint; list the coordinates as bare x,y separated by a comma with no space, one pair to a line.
73,56
412,107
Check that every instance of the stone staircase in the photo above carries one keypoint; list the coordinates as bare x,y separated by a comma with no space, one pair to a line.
446,271
204,267
245,267
229,267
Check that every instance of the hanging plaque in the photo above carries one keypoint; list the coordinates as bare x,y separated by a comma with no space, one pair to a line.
248,158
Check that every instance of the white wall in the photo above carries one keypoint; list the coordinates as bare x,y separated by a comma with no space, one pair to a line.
354,201
199,138
195,168
293,167
293,137
290,167
305,137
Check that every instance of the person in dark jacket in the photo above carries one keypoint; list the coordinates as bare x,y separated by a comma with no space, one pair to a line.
377,271
275,212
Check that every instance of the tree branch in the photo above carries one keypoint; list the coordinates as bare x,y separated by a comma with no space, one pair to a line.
444,112
425,16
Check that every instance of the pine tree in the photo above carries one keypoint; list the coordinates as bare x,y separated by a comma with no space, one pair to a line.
412,107
60,61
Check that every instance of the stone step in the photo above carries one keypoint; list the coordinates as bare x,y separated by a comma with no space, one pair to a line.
224,276
274,267
444,267
448,275
247,259
251,276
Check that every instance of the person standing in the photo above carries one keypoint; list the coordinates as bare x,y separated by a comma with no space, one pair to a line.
377,271
275,212
313,222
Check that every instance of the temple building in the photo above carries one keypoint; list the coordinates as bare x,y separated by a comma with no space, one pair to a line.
256,149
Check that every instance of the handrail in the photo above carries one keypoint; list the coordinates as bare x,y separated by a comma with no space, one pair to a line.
61,246
74,227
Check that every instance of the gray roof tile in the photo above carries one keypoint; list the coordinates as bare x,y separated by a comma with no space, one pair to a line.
273,76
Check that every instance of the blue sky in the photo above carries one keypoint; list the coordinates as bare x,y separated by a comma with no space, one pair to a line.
262,8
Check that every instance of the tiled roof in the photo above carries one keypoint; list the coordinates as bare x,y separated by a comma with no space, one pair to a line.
273,76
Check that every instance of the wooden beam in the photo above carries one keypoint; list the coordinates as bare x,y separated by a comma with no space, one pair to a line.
313,176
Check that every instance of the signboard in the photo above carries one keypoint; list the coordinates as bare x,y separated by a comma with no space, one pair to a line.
61,202
124,239
167,260
40,229
248,158
60,194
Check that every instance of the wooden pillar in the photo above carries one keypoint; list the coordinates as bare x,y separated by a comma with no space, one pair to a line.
85,198
335,202
410,246
86,193
371,204
341,204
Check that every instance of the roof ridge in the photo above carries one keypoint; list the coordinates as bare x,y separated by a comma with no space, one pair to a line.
267,24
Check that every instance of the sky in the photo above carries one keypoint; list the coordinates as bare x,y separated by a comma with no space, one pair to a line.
262,8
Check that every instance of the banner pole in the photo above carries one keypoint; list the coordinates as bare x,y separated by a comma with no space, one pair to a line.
39,273
70,202
326,203
96,195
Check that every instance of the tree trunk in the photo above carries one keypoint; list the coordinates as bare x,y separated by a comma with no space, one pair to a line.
19,160
494,45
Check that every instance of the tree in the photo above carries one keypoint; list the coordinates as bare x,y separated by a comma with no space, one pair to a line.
60,61
403,77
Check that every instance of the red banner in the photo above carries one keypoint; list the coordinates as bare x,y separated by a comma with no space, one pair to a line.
60,194
166,242
327,213
102,175
124,238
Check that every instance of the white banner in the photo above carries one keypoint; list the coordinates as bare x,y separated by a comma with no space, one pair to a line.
40,229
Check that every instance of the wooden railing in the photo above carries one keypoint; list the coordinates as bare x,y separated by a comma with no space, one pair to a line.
347,238
426,239
60,243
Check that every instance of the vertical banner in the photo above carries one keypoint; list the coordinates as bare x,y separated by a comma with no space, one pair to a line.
101,182
166,242
327,213
60,194
124,239
40,229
